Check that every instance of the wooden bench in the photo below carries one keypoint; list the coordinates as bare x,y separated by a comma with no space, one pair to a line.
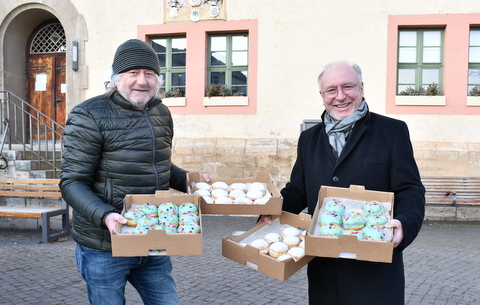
463,191
40,188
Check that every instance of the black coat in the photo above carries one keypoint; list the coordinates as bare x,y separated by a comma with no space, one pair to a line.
378,155
112,149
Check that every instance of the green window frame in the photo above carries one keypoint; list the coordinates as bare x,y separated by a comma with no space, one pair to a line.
474,62
172,54
228,62
420,61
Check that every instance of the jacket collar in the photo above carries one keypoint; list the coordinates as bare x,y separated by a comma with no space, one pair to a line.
357,132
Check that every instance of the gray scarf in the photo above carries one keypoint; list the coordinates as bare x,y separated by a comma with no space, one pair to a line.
338,131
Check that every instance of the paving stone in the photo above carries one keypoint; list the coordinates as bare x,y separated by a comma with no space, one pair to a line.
442,266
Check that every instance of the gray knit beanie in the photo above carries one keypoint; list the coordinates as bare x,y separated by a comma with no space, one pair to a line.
135,54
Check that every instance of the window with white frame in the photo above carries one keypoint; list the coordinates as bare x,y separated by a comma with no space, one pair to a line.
420,61
474,62
228,63
171,52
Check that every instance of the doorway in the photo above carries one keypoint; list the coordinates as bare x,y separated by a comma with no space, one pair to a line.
46,80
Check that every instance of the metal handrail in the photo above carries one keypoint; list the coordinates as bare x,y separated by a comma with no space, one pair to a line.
20,117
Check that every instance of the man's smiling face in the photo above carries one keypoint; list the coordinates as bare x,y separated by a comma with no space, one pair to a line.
341,91
137,86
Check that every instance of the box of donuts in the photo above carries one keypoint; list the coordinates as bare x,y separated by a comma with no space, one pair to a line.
276,249
237,196
351,223
163,223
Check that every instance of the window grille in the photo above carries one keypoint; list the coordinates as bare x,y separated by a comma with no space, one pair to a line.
50,39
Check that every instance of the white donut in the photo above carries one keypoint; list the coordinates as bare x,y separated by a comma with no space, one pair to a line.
220,185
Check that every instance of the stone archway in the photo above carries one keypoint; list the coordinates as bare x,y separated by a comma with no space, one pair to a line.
18,21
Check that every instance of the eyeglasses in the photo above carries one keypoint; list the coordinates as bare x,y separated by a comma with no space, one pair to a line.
346,89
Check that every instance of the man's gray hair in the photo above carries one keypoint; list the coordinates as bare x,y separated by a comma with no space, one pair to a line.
354,66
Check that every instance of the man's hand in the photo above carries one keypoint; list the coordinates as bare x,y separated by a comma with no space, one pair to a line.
264,218
397,231
112,219
205,177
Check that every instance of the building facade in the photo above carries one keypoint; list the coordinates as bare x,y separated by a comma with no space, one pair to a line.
420,61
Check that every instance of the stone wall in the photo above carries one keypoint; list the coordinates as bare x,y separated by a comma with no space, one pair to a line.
239,158
235,158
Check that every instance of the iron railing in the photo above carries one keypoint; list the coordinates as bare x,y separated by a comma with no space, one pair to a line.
27,129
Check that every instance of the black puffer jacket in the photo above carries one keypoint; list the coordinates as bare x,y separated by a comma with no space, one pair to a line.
112,149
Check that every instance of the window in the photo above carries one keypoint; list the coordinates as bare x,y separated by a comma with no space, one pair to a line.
228,61
420,60
240,46
172,52
474,62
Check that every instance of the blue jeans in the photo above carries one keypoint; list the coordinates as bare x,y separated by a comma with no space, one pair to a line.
106,277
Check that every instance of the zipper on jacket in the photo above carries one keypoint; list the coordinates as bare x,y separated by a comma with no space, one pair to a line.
108,192
154,150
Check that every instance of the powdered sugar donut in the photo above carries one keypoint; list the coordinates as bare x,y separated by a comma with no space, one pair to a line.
220,185
258,186
223,200
272,237
291,231
208,199
238,186
217,193
202,186
278,249
261,245
262,200
242,200
284,257
254,195
234,194
203,193
292,241
296,252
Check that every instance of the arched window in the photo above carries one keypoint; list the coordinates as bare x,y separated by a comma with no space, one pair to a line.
49,39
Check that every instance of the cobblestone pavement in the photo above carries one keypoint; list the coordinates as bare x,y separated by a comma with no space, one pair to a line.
442,266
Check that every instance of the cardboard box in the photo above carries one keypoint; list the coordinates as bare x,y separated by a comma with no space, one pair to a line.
347,246
250,256
170,244
272,207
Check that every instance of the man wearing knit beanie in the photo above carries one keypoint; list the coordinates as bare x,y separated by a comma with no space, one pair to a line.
115,144
135,54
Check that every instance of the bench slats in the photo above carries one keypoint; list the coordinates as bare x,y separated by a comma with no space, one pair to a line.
30,194
452,190
24,212
30,188
40,188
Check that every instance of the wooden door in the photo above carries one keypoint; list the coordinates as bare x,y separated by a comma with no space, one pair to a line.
46,87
